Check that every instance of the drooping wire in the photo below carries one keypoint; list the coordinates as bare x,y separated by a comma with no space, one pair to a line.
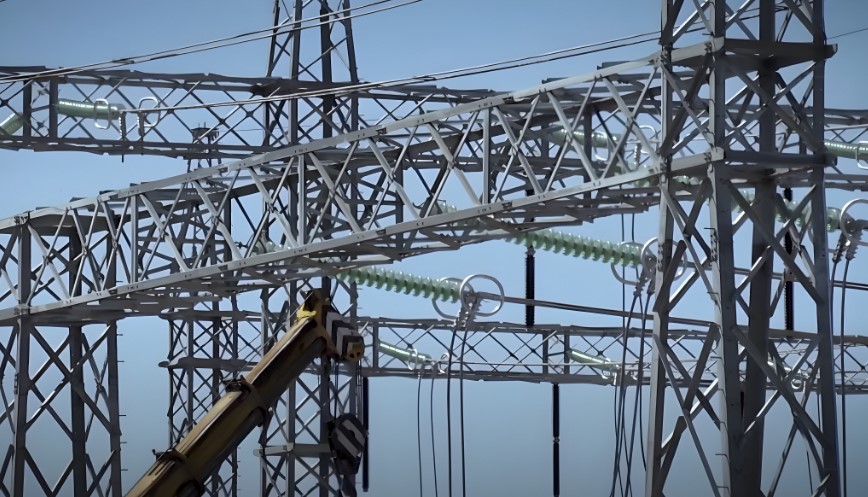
620,409
433,442
618,413
627,41
461,415
465,316
591,48
419,429
848,33
843,384
637,401
620,402
449,412
284,27
836,258
640,381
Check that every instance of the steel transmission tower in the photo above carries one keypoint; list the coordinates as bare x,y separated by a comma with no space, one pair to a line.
311,46
736,92
766,55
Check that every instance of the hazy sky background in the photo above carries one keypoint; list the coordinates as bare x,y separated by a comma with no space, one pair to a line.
509,441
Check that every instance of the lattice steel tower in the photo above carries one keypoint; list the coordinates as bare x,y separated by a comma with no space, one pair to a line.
728,115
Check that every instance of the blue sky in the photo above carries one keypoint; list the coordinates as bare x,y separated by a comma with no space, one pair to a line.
508,424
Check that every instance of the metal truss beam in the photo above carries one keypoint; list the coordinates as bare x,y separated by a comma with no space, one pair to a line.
332,197
555,353
138,113
484,167
499,351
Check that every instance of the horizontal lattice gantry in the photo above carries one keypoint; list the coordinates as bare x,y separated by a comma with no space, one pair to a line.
508,164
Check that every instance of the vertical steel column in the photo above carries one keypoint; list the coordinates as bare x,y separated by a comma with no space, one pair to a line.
114,412
722,263
825,359
761,283
77,424
295,458
113,392
22,363
654,477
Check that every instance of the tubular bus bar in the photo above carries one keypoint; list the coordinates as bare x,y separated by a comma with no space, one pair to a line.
318,332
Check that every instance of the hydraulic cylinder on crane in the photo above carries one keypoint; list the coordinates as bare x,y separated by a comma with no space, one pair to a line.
319,331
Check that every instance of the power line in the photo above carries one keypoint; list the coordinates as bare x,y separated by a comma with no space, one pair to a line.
287,26
848,33
843,385
542,58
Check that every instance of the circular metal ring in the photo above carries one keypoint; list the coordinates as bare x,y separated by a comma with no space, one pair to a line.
845,218
465,285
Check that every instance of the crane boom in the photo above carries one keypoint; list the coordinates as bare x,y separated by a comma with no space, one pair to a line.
317,332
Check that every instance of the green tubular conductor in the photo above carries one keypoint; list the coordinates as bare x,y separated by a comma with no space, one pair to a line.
849,150
399,282
73,108
597,139
598,362
408,356
91,110
839,149
833,214
11,124
833,217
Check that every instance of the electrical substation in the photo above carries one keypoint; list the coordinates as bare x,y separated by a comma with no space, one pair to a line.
642,277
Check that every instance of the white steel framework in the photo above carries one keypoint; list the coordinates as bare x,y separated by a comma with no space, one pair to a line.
729,112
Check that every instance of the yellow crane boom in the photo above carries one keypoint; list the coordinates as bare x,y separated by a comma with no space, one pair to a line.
317,332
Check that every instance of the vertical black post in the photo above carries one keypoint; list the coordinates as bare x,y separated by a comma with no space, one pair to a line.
366,457
556,439
529,293
530,322
789,305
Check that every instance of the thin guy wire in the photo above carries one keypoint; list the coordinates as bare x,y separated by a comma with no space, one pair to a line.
442,75
843,385
433,443
204,46
419,428
424,78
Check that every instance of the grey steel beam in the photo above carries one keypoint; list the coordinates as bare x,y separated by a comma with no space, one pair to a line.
754,389
64,387
350,199
760,306
724,296
22,328
137,113
77,421
503,351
